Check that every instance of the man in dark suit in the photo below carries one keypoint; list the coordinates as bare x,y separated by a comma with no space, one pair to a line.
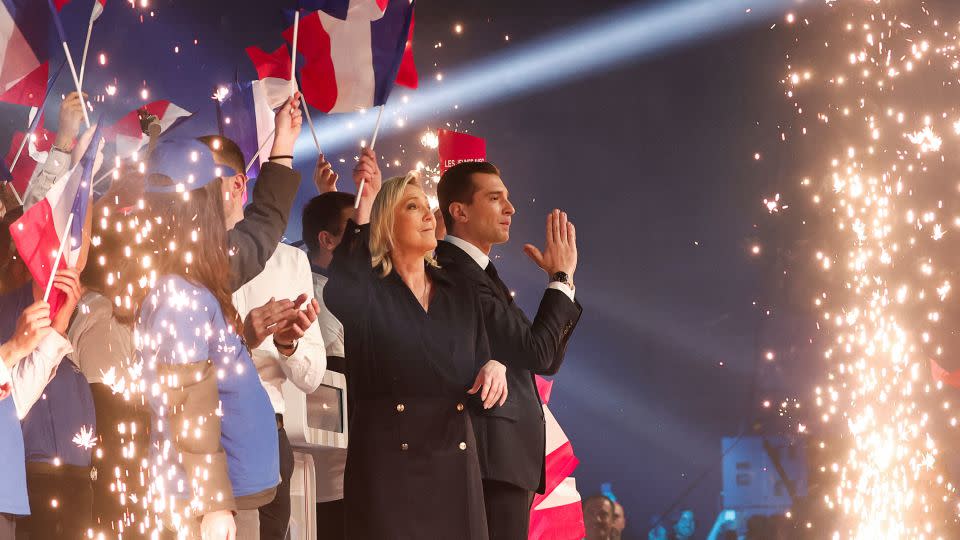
477,212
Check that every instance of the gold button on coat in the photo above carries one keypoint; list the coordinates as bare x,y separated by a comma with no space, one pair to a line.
404,446
460,407
463,446
401,407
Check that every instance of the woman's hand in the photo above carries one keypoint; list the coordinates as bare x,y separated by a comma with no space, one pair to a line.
492,384
218,525
32,326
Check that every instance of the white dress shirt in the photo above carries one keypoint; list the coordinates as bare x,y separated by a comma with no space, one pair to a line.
285,276
483,260
32,374
330,326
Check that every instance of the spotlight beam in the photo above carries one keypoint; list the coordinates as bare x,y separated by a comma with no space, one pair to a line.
630,33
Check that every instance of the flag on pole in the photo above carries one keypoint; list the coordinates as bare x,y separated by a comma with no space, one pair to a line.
248,118
128,134
352,64
43,227
454,147
24,32
273,73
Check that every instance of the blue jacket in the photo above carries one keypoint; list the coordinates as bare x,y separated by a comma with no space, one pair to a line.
13,487
65,407
195,360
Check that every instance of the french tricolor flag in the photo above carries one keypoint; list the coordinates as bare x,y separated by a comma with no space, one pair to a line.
556,514
24,29
128,133
353,63
247,119
39,233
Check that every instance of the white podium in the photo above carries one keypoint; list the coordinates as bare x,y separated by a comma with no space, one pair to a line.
315,424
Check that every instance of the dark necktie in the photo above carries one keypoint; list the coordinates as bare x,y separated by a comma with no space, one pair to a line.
495,276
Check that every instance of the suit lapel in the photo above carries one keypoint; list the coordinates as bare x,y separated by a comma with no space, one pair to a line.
450,255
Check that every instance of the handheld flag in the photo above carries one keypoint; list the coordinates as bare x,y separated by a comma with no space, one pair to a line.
57,220
128,133
248,119
352,64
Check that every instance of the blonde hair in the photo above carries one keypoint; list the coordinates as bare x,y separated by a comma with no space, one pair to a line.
382,221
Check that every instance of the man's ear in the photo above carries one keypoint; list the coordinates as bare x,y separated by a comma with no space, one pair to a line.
458,211
326,241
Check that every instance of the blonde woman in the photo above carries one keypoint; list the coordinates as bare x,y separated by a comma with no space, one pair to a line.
417,357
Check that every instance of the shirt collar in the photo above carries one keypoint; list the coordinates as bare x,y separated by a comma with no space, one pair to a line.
473,251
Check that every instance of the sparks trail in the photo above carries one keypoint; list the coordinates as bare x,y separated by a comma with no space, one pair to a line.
876,82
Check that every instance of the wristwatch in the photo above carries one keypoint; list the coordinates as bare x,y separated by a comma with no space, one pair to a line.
562,277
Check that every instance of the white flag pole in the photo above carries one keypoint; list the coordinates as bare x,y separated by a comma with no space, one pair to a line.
257,154
76,81
293,52
86,43
373,143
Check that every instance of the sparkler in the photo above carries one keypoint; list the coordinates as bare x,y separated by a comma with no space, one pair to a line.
875,89
85,438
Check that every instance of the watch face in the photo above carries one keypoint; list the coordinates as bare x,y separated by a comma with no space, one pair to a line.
561,277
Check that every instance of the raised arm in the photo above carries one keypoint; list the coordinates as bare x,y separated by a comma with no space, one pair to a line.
539,346
253,240
58,159
351,273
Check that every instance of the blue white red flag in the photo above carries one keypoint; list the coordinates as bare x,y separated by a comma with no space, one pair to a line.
352,64
40,231
128,134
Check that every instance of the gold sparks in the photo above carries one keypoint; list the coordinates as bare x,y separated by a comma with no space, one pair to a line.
872,74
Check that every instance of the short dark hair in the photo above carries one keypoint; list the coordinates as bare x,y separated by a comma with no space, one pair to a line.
322,213
225,152
456,185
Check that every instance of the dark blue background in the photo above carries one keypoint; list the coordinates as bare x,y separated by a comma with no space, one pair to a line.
652,159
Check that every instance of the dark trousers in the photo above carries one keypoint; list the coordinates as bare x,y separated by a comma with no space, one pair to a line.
275,516
508,510
108,513
330,521
72,515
